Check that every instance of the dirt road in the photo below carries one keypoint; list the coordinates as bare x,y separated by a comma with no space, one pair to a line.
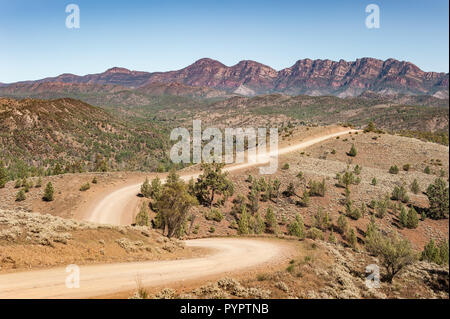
120,206
230,254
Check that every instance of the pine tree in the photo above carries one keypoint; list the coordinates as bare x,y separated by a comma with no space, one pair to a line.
142,218
332,238
20,196
353,152
3,175
39,182
49,192
271,221
413,219
438,197
156,188
352,240
146,189
243,223
297,227
415,188
403,217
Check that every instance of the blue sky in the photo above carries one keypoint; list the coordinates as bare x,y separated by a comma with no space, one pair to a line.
168,35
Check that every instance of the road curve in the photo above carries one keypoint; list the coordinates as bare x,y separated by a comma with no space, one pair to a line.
119,207
230,254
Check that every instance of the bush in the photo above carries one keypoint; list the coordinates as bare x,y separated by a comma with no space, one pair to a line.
49,192
332,238
400,193
374,181
353,152
414,187
317,188
297,227
321,219
403,217
18,184
285,166
271,221
142,218
214,214
394,253
38,183
342,224
437,194
20,196
94,180
243,223
212,229
413,219
437,254
145,189
85,187
393,169
406,167
315,233
427,170
3,175
351,237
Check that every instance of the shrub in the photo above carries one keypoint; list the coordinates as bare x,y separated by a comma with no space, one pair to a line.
437,194
406,167
333,151
142,218
353,152
332,238
38,183
146,189
290,190
317,188
212,229
394,253
94,180
214,214
49,192
20,196
285,166
315,233
437,254
243,223
351,237
18,184
393,169
374,181
413,219
342,224
357,170
427,170
258,225
271,221
321,219
85,187
305,199
415,188
3,175
297,227
400,193
403,217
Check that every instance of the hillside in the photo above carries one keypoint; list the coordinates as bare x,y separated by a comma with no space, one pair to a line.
66,131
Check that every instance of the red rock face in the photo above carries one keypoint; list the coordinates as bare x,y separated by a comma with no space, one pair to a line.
315,77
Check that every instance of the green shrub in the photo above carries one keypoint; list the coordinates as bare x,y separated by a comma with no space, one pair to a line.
342,224
315,233
20,196
142,218
413,219
415,188
406,167
94,180
321,219
285,166
353,152
394,169
317,188
427,170
400,193
437,254
438,197
49,192
85,187
297,227
374,181
214,214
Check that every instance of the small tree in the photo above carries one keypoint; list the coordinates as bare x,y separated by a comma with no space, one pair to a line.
321,219
353,152
413,219
20,196
3,175
342,224
436,253
156,188
146,189
39,182
49,192
393,169
317,188
403,217
297,227
400,193
290,190
142,218
415,188
271,221
243,223
351,237
438,197
213,182
332,238
394,253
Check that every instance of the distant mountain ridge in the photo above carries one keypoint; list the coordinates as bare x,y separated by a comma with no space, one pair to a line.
309,77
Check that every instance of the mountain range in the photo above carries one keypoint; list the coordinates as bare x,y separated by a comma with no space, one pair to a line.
210,78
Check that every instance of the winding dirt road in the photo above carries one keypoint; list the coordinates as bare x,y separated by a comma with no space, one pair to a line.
118,207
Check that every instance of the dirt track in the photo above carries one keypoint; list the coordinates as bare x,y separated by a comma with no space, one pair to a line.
118,207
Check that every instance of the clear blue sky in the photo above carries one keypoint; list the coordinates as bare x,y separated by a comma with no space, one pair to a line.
168,35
